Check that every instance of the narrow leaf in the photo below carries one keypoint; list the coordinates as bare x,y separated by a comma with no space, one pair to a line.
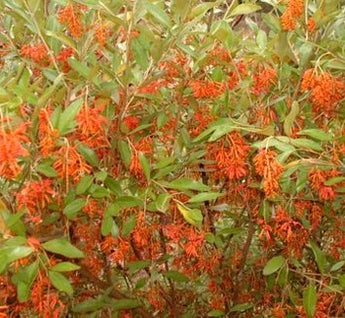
309,300
273,265
60,282
63,247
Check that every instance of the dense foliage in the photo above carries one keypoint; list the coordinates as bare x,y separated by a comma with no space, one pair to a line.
174,158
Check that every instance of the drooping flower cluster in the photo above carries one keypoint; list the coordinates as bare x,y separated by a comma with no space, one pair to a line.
35,196
91,126
267,166
206,88
48,135
145,147
292,13
70,17
263,81
231,157
11,150
325,91
63,56
37,53
317,179
70,164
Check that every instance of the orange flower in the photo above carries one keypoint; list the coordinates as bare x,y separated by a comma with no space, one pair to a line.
70,18
231,159
267,166
288,22
264,80
141,234
206,89
296,8
71,164
131,122
11,149
153,87
38,53
46,133
91,127
145,146
293,11
311,25
63,56
102,32
326,91
194,243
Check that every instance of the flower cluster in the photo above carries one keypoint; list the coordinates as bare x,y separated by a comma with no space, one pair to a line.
325,91
70,17
267,166
293,12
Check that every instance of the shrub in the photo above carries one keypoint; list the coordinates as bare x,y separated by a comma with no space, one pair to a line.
172,158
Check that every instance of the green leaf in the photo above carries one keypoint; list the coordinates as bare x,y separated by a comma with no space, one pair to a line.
341,279
192,216
88,154
64,267
109,227
220,131
176,276
309,300
216,313
113,185
63,247
24,280
158,14
223,32
320,257
129,225
274,264
112,210
81,68
241,307
125,152
186,184
10,254
145,165
133,267
290,118
337,266
72,209
98,191
316,134
84,184
61,37
201,9
119,304
90,305
336,64
47,170
129,202
334,180
161,203
60,282
49,92
305,53
206,196
67,122
244,8
261,39
306,143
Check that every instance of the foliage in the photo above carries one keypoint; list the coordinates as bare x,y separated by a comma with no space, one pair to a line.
172,158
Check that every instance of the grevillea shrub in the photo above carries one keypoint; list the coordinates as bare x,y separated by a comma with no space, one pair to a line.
172,158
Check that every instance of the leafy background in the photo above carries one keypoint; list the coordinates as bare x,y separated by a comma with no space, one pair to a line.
172,158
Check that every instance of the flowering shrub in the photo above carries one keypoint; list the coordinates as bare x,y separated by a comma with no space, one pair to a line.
172,158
